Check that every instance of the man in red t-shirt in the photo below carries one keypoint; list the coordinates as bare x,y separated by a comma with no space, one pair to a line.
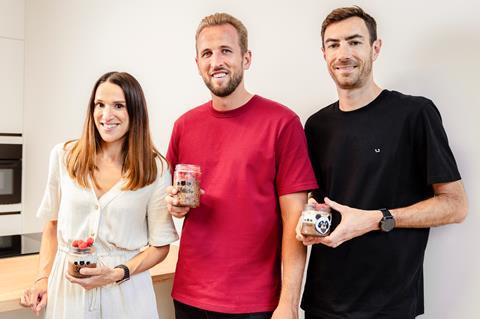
255,176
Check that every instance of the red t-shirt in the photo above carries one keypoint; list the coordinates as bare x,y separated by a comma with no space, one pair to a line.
230,247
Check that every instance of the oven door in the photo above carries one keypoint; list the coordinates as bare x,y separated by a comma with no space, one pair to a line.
10,181
10,246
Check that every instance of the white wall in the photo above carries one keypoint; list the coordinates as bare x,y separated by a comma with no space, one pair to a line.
430,49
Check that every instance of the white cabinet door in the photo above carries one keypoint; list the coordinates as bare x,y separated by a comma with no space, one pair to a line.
12,14
11,85
10,224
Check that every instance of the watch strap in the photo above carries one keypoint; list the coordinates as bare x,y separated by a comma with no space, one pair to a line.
386,213
387,223
126,273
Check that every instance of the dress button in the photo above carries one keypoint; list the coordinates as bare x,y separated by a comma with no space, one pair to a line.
96,206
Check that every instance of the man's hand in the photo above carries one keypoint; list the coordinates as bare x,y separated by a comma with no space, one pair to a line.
100,276
355,222
172,203
285,311
35,297
298,229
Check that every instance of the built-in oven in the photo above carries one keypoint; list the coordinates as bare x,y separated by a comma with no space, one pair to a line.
10,174
10,245
19,245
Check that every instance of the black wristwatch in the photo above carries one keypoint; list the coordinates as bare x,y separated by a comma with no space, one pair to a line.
387,223
126,273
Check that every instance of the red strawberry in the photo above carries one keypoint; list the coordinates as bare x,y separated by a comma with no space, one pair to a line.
89,241
75,243
83,245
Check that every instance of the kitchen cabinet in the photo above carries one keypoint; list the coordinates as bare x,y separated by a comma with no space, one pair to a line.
12,19
11,85
10,222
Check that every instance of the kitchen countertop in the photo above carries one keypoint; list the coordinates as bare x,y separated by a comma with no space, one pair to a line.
18,273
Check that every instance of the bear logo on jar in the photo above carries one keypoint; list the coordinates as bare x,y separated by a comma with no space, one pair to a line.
316,220
323,223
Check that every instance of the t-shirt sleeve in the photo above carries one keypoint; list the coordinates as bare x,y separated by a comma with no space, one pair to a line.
161,230
433,144
51,198
294,170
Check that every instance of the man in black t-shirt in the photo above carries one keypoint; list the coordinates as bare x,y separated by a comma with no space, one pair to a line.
384,166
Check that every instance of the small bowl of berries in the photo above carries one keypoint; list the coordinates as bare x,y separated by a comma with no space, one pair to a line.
81,253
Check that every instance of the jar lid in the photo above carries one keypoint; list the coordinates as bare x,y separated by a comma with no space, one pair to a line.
323,207
188,167
310,206
88,250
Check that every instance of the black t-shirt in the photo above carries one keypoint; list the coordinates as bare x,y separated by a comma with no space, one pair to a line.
386,154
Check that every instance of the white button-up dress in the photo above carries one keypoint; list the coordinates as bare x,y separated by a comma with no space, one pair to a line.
122,223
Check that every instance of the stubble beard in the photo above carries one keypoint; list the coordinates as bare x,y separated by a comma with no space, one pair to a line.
357,81
231,86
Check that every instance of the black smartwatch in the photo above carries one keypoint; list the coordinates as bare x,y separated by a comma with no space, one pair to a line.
387,223
126,273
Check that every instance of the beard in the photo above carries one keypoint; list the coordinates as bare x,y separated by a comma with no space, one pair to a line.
356,79
226,90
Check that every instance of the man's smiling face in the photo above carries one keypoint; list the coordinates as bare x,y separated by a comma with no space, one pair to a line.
348,53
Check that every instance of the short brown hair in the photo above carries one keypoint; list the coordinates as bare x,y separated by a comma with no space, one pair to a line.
139,153
341,14
221,18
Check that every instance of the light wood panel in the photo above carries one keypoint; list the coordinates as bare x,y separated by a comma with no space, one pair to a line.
18,273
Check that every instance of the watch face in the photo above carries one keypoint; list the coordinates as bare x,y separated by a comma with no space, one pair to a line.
387,224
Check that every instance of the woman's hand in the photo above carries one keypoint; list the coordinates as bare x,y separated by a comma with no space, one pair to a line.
99,276
36,296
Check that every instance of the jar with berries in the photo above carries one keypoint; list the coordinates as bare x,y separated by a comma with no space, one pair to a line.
81,253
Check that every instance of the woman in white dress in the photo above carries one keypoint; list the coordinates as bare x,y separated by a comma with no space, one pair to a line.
108,185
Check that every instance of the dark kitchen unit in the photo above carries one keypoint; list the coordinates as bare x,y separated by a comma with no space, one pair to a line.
10,174
20,245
